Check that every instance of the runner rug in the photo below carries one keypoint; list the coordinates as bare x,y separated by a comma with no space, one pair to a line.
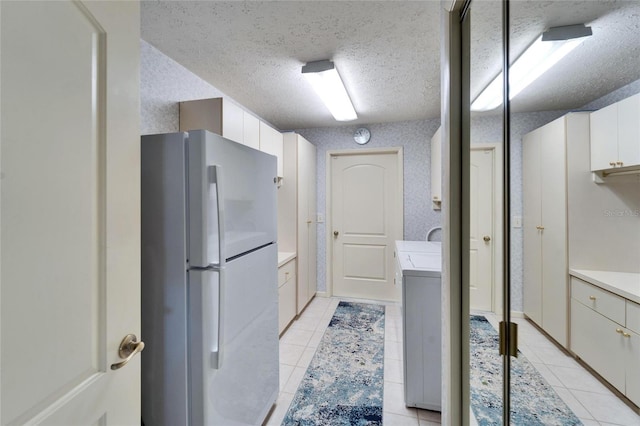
533,400
344,382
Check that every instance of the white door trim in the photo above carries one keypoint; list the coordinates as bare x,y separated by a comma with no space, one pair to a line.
497,220
329,225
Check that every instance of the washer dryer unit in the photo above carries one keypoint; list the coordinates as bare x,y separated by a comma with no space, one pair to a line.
418,271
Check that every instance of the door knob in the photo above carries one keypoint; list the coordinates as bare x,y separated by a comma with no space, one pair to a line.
486,238
335,233
129,347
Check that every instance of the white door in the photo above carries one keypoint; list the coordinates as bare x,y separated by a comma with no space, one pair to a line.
482,236
366,219
69,212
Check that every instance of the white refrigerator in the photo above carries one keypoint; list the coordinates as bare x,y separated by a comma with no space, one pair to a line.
209,281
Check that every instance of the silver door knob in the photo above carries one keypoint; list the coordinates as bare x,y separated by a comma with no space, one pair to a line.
335,233
129,347
486,238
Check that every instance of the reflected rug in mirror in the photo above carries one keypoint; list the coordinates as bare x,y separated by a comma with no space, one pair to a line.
344,383
533,400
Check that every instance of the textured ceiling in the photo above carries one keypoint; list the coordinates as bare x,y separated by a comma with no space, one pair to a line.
387,52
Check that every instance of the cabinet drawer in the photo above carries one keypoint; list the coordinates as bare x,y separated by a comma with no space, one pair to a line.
286,272
286,304
608,304
633,316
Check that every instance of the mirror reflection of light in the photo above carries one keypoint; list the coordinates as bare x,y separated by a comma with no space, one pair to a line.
535,61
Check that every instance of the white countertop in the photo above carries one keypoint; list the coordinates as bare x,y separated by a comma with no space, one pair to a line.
419,246
419,258
625,284
284,257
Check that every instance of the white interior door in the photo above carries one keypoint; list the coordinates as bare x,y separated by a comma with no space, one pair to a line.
69,210
482,198
366,219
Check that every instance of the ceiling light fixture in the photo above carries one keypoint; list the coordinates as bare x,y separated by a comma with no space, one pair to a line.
543,53
326,81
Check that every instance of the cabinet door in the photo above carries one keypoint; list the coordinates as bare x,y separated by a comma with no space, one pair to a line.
604,137
232,121
553,210
595,340
310,167
629,131
303,227
251,133
531,220
633,367
436,169
271,142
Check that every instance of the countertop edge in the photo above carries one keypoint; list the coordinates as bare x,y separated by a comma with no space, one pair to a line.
592,278
284,257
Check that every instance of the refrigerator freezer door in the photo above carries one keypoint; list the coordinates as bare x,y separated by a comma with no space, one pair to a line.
245,386
244,180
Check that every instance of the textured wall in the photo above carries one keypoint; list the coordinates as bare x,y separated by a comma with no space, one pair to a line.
415,138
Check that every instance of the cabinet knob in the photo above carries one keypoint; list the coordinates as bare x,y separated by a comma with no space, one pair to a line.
612,163
335,233
619,330
619,163
627,335
539,227
486,238
592,298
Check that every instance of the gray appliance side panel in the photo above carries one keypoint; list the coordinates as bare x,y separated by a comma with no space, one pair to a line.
164,291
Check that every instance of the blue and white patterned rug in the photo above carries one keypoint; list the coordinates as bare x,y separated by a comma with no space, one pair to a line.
344,382
533,400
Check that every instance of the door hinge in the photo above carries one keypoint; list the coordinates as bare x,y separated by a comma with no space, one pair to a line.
513,341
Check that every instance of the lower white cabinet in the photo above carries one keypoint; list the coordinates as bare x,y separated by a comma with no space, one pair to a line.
602,336
286,294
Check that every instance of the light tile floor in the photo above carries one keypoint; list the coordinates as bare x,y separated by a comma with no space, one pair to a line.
590,400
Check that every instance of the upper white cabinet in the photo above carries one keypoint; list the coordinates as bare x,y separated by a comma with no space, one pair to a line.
271,143
217,115
221,116
251,130
436,170
615,136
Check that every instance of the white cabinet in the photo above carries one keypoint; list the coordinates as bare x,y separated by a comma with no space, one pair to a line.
603,334
221,116
251,130
296,212
615,136
436,170
545,222
286,294
217,115
271,142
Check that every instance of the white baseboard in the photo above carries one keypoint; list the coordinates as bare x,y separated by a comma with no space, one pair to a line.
322,294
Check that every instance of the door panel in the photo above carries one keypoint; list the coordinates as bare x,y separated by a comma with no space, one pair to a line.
70,208
366,221
481,214
554,234
531,220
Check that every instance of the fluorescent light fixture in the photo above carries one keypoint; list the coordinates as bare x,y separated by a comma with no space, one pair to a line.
326,81
543,53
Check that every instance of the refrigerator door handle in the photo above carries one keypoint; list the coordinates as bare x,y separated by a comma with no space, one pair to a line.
205,319
214,314
215,178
